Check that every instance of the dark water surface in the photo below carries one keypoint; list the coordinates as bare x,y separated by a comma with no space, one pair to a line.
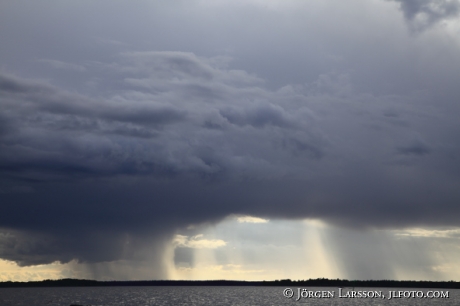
148,296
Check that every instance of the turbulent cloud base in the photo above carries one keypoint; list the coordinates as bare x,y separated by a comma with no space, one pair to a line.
112,145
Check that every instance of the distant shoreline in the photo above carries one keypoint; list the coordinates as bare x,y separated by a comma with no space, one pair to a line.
320,282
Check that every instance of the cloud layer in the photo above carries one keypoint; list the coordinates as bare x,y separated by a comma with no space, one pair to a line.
108,149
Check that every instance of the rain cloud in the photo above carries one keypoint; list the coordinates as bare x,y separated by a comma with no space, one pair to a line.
108,150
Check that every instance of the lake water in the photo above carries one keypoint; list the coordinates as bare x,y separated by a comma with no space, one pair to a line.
174,296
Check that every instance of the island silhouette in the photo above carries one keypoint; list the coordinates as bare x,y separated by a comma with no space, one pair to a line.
319,282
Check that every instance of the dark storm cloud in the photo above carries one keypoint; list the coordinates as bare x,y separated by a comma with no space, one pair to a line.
151,141
312,119
52,130
42,98
273,154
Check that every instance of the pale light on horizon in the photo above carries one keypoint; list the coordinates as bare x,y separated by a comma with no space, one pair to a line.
278,249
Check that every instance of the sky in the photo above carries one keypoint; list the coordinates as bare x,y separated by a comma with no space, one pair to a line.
218,139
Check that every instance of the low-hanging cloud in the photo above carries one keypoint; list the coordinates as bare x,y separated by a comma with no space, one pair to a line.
166,131
109,153
183,143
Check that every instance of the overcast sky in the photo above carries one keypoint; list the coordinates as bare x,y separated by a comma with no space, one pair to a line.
230,139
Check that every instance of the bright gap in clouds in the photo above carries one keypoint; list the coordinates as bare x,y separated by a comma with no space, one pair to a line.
260,249
304,249
10,271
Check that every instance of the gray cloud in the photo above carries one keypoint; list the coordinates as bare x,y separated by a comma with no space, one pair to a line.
417,147
298,118
62,65
164,134
237,109
424,13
